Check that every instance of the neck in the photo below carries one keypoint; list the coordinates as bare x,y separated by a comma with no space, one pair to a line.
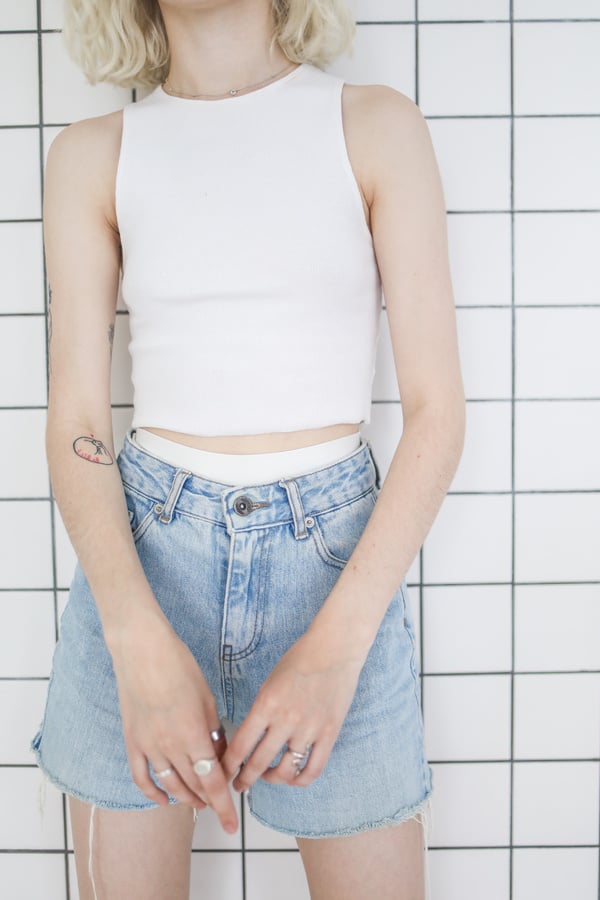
222,47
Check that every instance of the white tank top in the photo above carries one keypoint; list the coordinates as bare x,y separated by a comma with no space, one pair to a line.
249,271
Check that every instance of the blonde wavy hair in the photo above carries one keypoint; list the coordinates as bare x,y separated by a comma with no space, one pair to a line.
124,42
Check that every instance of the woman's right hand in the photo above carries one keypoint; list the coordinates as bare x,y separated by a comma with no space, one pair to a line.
168,712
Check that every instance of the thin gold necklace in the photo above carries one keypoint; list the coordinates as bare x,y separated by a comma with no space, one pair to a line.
230,93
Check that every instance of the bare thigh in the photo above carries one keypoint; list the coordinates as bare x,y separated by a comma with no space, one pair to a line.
387,863
137,854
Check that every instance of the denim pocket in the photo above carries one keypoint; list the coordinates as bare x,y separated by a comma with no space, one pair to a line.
337,532
142,511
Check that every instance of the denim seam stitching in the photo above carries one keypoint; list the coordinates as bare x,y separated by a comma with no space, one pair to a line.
255,639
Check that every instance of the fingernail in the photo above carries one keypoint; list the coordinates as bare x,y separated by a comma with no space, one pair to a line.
231,827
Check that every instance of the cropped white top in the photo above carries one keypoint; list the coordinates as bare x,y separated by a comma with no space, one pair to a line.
249,271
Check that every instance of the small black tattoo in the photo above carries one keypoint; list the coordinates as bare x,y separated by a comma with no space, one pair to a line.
90,448
111,335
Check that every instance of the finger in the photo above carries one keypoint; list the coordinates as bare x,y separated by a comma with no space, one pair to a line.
219,740
172,781
260,759
213,786
248,735
138,764
168,777
285,772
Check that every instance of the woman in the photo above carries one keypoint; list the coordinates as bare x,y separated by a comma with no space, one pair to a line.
242,562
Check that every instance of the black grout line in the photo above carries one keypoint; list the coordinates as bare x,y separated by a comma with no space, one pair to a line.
469,21
46,335
451,212
567,760
32,407
489,493
506,306
441,674
378,22
426,584
427,116
225,850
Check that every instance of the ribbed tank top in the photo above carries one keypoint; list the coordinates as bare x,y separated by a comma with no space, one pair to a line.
248,268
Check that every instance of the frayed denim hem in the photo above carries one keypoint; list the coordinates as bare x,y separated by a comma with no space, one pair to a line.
86,798
422,807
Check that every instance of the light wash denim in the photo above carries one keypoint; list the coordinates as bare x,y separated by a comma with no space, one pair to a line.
240,571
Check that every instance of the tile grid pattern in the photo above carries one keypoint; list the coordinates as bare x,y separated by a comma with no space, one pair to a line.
429,574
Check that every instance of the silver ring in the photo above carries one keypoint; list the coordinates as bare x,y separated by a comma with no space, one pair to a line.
218,734
300,759
204,766
164,773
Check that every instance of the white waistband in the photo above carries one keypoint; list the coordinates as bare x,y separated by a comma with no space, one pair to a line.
247,468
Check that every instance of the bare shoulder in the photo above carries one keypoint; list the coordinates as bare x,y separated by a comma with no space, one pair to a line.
84,157
383,127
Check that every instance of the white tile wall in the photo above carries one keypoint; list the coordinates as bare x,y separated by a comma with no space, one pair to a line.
479,249
19,95
556,715
467,628
382,10
554,872
21,269
470,875
556,537
26,647
563,176
468,716
463,9
52,14
464,69
484,340
544,273
474,162
46,878
557,627
557,352
555,803
557,67
18,16
505,593
20,196
557,445
473,804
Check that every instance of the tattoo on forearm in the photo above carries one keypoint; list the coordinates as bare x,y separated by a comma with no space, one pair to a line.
90,448
111,336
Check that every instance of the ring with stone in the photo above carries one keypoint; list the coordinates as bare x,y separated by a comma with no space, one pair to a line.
204,766
164,773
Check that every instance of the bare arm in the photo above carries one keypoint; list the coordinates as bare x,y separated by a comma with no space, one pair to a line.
408,220
166,705
82,249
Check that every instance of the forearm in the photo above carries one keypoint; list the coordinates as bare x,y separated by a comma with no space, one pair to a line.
418,479
92,504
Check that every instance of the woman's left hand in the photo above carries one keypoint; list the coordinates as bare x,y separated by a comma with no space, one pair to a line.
303,701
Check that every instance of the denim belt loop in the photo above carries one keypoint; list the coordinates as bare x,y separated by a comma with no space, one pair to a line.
296,506
166,509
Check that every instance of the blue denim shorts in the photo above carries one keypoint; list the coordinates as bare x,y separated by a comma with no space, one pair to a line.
240,571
